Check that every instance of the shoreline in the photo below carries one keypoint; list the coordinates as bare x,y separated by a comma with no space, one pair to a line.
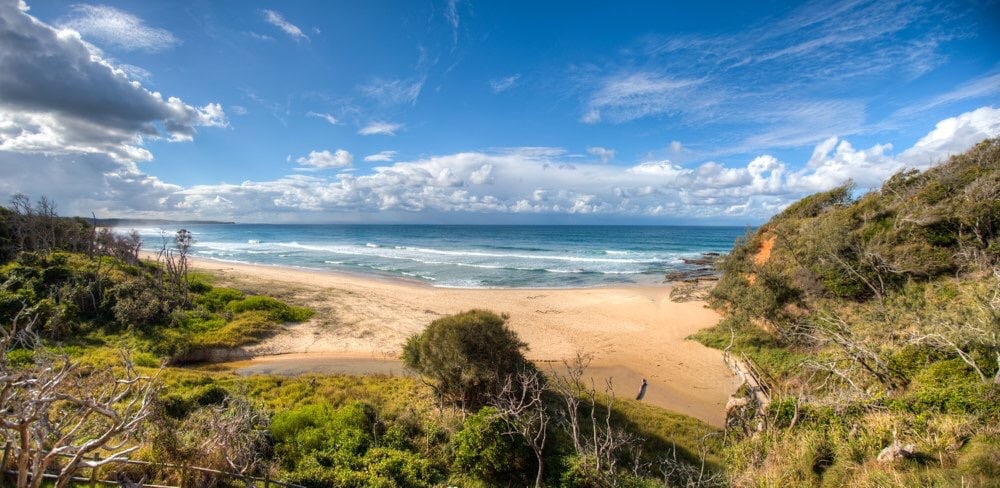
404,280
633,332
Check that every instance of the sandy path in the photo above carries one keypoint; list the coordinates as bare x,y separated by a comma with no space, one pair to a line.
633,332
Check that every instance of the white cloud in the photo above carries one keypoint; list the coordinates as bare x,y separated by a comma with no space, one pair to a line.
535,180
57,96
275,19
380,128
676,147
952,136
239,109
604,154
381,156
503,84
393,92
112,27
325,159
325,116
835,161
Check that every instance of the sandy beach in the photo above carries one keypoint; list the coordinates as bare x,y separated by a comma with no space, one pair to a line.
633,332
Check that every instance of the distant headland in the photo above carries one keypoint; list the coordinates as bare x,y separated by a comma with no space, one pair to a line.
123,222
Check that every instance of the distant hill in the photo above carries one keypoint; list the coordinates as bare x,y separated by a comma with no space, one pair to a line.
124,222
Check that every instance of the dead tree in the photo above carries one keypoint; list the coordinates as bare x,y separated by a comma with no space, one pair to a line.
676,472
59,412
522,408
595,439
570,388
831,327
607,442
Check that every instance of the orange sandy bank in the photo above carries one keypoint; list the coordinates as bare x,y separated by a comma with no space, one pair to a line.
633,332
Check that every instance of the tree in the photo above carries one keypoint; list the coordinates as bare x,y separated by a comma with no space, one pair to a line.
466,356
521,405
59,412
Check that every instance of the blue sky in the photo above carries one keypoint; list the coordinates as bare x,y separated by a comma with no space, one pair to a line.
480,112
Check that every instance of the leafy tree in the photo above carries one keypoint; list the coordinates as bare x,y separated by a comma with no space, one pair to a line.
466,356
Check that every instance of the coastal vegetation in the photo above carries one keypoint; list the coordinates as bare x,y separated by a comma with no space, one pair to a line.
871,322
876,321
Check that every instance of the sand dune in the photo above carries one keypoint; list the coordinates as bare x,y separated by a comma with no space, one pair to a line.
633,332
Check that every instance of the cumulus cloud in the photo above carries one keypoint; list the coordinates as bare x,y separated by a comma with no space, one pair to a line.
90,106
381,156
503,84
109,26
836,161
325,159
85,183
604,154
951,136
325,116
541,180
513,181
380,128
277,20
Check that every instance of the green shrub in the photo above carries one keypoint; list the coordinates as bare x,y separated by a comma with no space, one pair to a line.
18,358
216,299
276,309
331,435
393,467
467,355
483,449
246,328
136,305
951,387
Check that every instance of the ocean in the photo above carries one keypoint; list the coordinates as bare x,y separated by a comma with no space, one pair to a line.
463,256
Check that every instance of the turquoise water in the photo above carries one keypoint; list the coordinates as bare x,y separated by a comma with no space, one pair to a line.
465,256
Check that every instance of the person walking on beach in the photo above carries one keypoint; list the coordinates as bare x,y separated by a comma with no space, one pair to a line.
642,390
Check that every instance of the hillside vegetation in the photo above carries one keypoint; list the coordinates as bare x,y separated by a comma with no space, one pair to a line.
876,319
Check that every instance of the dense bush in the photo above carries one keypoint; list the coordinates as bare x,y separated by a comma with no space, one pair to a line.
325,446
466,355
484,449
79,299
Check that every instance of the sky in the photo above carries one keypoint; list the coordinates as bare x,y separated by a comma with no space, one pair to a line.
465,111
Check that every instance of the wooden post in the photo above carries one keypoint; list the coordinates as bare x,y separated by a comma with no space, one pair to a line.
183,476
267,479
